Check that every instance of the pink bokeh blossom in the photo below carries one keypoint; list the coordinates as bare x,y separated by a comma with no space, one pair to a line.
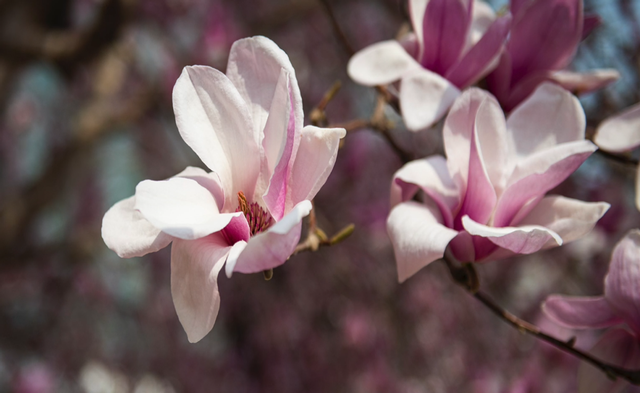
543,40
619,305
246,126
486,200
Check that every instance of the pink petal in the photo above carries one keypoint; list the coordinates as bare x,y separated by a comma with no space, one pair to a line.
410,44
458,132
417,235
431,175
550,116
584,82
620,132
237,230
538,174
482,57
590,23
276,130
491,142
214,120
545,37
424,98
517,5
480,198
273,247
195,265
622,283
580,312
381,63
314,161
281,142
254,67
569,218
499,80
180,207
617,347
474,124
520,240
444,32
128,233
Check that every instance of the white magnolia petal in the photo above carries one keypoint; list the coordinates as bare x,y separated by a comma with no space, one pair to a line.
620,132
492,141
180,207
209,180
520,240
254,67
638,188
381,63
418,236
550,116
424,98
417,8
569,218
277,125
541,161
128,233
314,162
482,17
458,133
214,120
584,82
432,176
195,265
232,259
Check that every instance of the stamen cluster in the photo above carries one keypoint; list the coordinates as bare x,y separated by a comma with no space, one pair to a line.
258,218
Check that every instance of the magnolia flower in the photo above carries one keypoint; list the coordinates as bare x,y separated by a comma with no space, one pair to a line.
455,43
246,126
543,39
486,200
619,304
621,133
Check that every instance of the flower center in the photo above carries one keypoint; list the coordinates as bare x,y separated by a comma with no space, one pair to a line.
258,218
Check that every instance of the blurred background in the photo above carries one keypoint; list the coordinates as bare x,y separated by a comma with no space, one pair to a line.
85,114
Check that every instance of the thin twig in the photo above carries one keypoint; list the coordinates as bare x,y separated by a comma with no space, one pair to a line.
461,276
337,29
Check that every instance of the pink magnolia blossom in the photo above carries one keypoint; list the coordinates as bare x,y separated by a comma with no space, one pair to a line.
619,304
486,200
246,126
455,43
543,39
621,133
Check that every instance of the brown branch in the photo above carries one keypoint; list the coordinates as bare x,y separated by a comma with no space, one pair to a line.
318,115
466,276
316,237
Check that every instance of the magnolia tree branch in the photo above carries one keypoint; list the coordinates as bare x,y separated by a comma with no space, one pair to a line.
465,275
